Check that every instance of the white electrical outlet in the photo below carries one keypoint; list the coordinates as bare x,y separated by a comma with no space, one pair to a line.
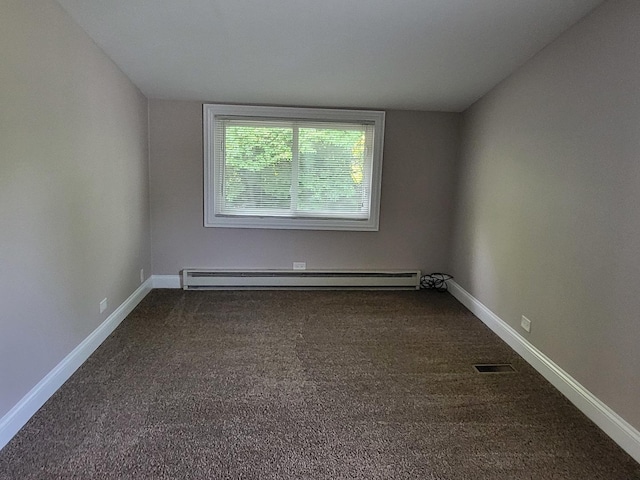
142,275
103,305
525,323
299,265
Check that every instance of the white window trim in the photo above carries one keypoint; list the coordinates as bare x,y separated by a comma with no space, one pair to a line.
210,111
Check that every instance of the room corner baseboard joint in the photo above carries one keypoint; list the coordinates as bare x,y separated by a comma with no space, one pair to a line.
166,281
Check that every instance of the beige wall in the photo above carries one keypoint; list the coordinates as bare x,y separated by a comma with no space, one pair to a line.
415,218
548,217
74,216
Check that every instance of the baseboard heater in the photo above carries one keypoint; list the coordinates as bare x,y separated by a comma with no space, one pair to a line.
207,279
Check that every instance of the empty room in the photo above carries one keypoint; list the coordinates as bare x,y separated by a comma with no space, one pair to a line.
298,239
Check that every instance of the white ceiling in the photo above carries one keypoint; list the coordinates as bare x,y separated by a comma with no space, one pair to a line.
403,54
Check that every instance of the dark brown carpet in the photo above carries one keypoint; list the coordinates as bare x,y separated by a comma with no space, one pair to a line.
294,384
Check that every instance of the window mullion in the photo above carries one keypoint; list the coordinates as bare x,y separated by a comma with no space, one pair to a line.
295,170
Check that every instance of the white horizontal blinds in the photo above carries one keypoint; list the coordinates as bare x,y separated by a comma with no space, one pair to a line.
294,168
256,167
334,166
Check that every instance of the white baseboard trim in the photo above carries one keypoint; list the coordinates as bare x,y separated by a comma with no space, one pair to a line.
623,433
20,414
166,281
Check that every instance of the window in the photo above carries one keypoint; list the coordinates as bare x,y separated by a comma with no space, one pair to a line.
295,168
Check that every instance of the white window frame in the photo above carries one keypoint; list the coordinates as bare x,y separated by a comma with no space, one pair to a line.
212,187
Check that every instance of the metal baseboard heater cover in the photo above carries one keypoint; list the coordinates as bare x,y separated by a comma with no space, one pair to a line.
210,279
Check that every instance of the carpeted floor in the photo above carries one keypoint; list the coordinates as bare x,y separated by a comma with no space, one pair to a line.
308,384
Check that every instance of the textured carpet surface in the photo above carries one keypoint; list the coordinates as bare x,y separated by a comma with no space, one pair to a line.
318,385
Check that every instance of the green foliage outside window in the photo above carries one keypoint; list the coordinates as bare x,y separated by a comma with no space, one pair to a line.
260,165
257,166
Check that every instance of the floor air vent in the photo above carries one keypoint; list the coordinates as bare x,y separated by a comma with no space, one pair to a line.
495,368
202,279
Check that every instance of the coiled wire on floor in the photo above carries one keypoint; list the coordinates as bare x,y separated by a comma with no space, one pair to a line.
435,281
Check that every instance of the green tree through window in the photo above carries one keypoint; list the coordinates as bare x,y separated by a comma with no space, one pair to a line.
260,165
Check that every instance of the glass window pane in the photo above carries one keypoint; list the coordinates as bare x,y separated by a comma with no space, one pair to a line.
331,171
257,168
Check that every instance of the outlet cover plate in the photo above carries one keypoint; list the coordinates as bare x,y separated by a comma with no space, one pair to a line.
299,265
525,323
